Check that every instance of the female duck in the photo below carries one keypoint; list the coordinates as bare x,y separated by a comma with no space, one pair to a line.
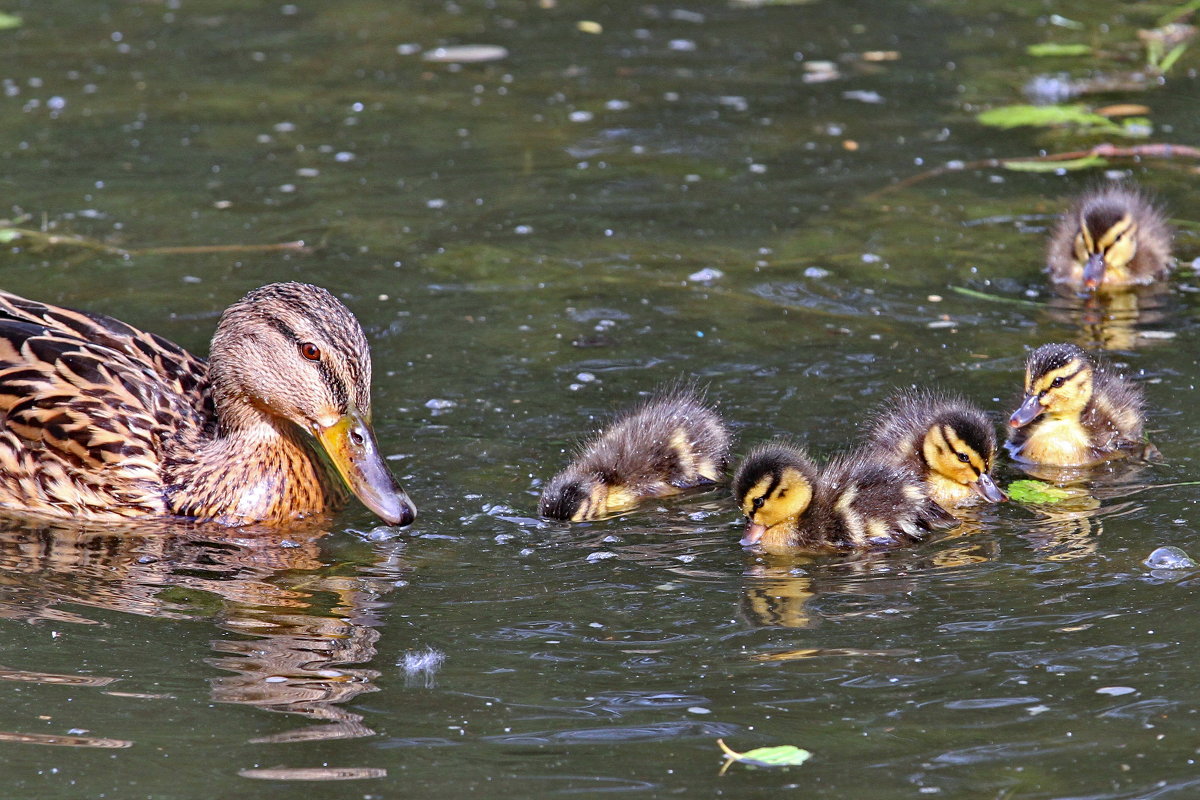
102,421
947,441
1075,412
1111,237
671,442
854,502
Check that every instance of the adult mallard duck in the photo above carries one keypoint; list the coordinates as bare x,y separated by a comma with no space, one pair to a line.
99,420
944,439
1075,411
671,442
854,502
1111,237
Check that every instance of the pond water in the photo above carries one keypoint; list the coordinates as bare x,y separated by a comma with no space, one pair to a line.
521,239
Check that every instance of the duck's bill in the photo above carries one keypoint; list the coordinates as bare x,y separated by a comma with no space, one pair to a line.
351,446
1027,413
753,535
1093,271
988,490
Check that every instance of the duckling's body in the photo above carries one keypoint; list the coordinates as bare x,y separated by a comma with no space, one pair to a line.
101,421
947,441
1111,237
1075,411
671,442
854,502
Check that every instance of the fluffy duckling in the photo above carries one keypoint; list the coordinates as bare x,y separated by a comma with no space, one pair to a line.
1111,236
1075,411
672,442
854,502
946,440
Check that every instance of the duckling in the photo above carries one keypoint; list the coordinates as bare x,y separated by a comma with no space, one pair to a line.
946,440
671,442
1075,411
1111,236
854,502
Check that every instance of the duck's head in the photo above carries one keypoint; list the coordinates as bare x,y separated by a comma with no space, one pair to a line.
294,352
773,486
1059,379
960,447
1106,239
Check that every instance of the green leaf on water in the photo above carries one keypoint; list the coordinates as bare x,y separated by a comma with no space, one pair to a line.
9,21
1026,491
1044,116
1169,60
783,756
1070,165
1054,49
8,235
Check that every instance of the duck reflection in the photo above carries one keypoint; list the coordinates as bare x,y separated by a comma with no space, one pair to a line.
781,590
1111,318
306,625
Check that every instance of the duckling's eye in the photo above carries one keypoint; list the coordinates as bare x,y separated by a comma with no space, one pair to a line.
758,503
1058,382
964,458
310,351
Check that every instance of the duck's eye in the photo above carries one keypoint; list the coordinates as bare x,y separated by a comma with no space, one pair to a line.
310,351
1058,382
758,503
964,458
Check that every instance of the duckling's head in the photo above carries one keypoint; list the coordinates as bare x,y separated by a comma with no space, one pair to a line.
773,487
960,446
1106,238
293,353
574,497
1059,379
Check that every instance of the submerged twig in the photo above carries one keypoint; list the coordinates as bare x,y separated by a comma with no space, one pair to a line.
1155,150
11,233
995,298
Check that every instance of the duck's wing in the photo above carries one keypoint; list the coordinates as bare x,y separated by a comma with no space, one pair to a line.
181,370
88,406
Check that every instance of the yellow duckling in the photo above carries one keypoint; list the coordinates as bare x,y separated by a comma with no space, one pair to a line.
671,442
945,440
1112,236
102,421
854,502
1075,412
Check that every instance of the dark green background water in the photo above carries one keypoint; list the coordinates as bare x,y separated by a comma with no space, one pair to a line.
501,228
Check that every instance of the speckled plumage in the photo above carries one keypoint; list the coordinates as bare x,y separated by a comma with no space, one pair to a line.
672,441
853,502
99,420
1093,414
946,440
1121,228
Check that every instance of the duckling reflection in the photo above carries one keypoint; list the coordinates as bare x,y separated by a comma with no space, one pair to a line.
786,591
1111,318
305,628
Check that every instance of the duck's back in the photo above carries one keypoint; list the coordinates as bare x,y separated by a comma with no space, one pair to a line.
860,502
90,409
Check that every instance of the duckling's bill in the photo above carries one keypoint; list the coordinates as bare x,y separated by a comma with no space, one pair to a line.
1028,411
986,488
350,444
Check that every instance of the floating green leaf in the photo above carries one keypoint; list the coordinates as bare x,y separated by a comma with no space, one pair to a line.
1070,165
1054,49
8,235
782,756
1026,491
9,21
1045,116
1169,60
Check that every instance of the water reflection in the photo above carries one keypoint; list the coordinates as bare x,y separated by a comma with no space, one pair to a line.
306,626
1111,318
782,590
